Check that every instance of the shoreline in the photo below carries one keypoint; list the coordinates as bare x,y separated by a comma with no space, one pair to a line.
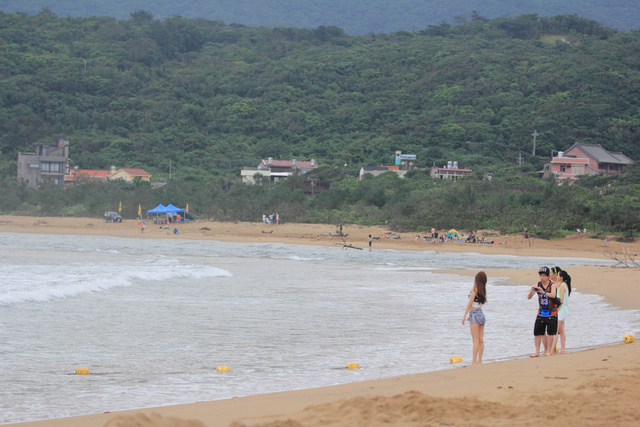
605,378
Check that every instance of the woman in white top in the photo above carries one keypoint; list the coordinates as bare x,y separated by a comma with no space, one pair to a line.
563,292
477,298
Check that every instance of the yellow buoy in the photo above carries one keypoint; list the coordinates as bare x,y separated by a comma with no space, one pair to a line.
82,371
455,359
629,338
223,369
353,365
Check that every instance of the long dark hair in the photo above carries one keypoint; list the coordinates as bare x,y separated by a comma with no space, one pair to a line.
566,279
481,287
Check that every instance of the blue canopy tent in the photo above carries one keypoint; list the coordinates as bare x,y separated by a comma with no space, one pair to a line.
170,209
158,209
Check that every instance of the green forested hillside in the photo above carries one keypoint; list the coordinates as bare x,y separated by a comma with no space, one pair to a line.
354,16
212,98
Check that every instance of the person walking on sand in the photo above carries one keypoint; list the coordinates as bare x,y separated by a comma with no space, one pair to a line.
142,227
477,298
563,292
547,318
370,240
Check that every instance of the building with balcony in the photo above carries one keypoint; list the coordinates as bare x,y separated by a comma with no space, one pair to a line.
451,171
48,165
584,159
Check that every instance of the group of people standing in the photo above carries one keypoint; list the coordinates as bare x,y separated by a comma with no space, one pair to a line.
553,292
271,219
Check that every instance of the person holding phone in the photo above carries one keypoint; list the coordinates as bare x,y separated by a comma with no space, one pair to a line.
546,325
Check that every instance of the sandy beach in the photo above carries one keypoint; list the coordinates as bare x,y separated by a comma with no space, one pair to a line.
597,386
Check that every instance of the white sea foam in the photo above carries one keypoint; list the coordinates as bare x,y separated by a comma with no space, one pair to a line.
41,282
299,258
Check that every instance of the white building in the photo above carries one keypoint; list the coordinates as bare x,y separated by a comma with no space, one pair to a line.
276,170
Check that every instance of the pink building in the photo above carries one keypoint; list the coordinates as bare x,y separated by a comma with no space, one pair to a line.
585,159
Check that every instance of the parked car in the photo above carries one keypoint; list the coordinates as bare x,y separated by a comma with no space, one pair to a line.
112,217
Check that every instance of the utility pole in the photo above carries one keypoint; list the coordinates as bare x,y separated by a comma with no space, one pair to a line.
520,159
534,134
169,169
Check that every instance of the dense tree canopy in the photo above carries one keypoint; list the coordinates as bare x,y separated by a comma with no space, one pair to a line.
212,98
356,17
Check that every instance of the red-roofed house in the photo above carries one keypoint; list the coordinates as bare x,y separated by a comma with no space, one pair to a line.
584,159
84,175
76,176
452,171
276,169
129,174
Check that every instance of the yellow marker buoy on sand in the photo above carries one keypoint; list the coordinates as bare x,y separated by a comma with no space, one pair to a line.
629,338
223,369
82,371
353,366
455,359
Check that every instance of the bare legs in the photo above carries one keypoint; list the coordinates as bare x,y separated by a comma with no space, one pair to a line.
550,344
477,334
563,336
537,339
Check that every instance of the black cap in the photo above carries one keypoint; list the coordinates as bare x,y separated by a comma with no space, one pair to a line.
544,270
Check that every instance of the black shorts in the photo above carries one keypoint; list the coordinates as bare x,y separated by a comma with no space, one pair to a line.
548,325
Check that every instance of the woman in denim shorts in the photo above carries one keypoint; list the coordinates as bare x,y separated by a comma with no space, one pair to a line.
477,298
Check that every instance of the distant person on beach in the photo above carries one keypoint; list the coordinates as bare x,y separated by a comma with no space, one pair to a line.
370,240
547,318
477,298
142,227
563,292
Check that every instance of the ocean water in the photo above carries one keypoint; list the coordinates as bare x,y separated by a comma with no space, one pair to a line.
152,319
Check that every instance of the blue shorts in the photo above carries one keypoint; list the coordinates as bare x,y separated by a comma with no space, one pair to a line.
477,316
